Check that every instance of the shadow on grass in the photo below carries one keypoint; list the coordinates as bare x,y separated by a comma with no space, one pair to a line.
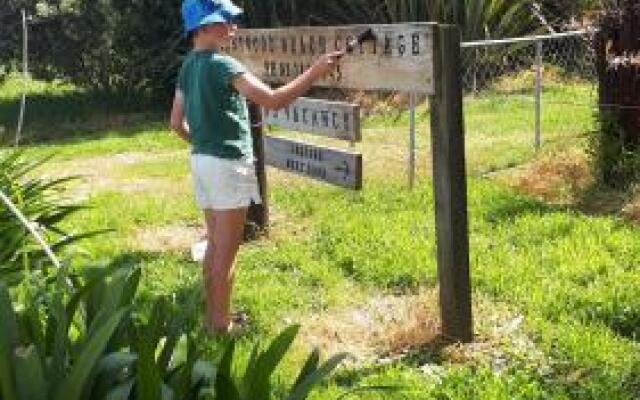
505,205
77,115
184,294
600,200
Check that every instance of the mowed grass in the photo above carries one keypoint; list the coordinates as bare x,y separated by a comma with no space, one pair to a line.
556,291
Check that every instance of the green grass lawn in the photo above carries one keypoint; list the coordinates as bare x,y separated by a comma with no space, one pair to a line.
556,291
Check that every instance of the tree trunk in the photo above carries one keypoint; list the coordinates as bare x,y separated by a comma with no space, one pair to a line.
618,48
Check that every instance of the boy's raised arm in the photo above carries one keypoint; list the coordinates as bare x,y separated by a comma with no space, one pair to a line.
257,91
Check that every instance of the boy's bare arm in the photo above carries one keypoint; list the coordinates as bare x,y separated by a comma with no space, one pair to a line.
177,123
257,91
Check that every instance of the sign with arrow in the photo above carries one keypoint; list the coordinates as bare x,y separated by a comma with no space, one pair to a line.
337,167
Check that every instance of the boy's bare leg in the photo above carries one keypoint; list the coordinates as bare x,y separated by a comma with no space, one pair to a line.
225,231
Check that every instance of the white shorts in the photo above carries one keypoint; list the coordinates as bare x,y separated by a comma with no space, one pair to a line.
222,184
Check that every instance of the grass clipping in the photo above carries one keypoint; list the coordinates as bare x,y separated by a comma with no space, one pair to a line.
390,328
384,325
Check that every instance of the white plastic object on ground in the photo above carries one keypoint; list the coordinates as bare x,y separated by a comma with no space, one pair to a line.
197,251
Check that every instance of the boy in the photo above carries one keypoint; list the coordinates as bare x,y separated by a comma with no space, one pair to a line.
209,111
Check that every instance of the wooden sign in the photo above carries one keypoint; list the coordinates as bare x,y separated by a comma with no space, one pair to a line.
337,167
331,119
400,58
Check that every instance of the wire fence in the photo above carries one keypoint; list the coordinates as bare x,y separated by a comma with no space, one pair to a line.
547,84
521,95
484,62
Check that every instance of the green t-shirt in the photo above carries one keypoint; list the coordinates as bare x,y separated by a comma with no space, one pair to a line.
216,113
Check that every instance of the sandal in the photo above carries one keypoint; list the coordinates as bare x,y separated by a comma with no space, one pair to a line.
238,326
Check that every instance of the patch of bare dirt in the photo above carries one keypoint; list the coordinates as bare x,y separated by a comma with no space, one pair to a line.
167,238
102,173
383,325
387,328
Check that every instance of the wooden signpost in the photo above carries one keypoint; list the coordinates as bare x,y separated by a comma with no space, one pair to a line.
331,119
450,188
338,167
417,58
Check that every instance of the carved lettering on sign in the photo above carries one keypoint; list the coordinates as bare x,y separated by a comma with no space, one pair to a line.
319,117
400,58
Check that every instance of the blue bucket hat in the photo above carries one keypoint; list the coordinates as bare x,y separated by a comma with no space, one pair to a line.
197,13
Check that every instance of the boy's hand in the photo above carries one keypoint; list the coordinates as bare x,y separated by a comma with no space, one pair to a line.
326,64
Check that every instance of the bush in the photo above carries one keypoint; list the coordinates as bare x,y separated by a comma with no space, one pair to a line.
84,341
42,203
78,335
616,162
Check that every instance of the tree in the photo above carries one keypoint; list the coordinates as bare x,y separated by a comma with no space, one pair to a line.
618,49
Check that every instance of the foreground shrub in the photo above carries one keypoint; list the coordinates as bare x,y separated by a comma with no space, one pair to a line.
42,203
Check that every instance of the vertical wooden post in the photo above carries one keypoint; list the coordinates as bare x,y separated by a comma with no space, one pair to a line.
258,215
450,186
412,140
25,76
538,108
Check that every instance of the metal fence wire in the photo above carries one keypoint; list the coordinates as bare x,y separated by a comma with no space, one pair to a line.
485,61
546,85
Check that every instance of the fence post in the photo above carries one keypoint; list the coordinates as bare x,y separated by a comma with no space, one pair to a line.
412,140
539,77
258,214
25,76
450,186
475,71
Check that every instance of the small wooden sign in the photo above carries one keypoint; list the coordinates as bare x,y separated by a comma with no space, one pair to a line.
337,167
331,119
400,58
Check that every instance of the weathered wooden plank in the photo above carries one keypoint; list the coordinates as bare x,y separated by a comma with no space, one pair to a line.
331,119
337,167
258,214
400,58
450,186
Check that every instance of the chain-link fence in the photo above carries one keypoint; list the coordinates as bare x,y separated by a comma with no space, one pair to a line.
485,61
523,92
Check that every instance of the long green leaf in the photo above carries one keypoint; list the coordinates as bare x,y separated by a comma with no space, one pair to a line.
32,329
114,362
131,287
148,379
187,378
121,392
166,393
301,391
252,369
109,301
110,371
72,387
30,378
8,342
267,362
57,341
310,366
225,388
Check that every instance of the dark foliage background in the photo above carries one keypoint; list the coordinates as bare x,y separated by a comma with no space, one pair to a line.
133,47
